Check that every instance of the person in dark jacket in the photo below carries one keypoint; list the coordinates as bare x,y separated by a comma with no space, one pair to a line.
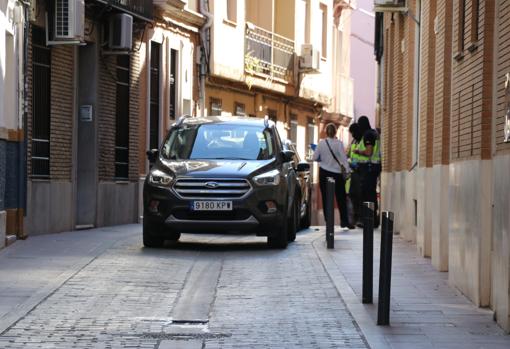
369,164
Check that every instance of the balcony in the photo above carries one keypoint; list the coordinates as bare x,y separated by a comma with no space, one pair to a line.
268,55
141,9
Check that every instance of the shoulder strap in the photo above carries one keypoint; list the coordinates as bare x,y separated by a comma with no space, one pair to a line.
334,156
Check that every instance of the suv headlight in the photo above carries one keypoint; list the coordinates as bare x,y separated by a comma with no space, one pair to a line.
268,178
158,177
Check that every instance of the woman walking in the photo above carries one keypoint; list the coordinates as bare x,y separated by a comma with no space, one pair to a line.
333,163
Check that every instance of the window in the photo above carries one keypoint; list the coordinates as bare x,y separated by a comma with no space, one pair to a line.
239,109
122,119
310,135
460,29
41,102
307,21
219,141
324,13
232,10
293,128
475,8
215,106
173,85
154,95
271,113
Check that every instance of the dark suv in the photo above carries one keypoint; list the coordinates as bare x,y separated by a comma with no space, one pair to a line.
220,174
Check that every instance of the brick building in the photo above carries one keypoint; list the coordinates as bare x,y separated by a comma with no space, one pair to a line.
444,101
83,118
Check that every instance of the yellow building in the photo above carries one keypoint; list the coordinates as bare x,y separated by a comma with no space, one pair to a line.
281,58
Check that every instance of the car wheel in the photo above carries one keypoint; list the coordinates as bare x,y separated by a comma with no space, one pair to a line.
152,235
293,222
306,221
279,239
172,236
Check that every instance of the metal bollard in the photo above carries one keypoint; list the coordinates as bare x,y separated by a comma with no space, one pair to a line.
383,310
329,213
368,252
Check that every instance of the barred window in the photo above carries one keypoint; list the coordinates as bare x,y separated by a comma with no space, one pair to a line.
293,128
215,105
239,109
122,119
41,102
154,95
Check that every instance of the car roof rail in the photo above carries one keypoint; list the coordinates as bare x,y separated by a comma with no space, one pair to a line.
181,120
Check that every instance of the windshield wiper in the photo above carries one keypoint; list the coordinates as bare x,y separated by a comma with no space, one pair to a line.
229,158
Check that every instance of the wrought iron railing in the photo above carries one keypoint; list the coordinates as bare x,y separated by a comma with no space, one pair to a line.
268,54
139,8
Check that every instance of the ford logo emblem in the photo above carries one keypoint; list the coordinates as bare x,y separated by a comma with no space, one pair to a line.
212,185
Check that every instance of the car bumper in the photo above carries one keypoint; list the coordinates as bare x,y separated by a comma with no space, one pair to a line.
247,215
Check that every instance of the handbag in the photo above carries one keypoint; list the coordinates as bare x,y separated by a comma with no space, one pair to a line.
343,170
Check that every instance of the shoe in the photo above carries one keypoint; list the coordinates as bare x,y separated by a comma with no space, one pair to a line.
350,226
359,225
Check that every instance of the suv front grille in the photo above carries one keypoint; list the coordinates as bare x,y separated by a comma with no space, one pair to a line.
192,188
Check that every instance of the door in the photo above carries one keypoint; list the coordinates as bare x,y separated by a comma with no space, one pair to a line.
86,164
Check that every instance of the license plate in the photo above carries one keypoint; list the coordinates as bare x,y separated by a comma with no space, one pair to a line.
211,205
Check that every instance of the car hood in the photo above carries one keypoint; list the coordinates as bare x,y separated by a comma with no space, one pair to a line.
216,168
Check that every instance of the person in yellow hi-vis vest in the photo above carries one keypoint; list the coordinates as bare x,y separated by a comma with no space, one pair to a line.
354,184
369,163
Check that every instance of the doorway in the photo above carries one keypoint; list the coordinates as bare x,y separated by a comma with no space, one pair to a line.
86,164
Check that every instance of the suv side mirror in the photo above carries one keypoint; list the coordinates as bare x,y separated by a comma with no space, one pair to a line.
152,155
288,155
303,167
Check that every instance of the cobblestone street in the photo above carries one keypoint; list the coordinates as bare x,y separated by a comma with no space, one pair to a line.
206,291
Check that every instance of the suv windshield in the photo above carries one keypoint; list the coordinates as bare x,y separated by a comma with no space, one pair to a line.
218,141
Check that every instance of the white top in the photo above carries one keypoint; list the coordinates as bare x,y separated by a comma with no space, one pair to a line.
326,160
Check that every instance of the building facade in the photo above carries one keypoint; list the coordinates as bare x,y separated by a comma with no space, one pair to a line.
363,65
12,145
83,116
445,118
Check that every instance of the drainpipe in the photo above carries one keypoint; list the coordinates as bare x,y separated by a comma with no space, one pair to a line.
205,48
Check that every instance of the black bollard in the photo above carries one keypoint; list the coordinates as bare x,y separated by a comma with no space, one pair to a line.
383,310
329,213
368,252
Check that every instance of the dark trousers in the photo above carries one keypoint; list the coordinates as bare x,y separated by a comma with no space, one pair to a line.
369,173
355,196
339,193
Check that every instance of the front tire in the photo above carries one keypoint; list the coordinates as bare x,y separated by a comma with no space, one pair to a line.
293,222
306,221
279,239
152,235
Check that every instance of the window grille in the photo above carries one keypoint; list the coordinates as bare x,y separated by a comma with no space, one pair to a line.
122,119
41,104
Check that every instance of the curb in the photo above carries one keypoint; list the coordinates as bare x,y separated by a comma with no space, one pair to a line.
374,335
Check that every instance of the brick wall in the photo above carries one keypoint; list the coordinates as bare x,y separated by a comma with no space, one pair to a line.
502,68
442,85
61,119
472,86
62,102
106,118
398,91
428,46
134,110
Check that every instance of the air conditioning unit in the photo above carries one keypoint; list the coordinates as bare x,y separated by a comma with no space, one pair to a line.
120,32
310,58
69,19
390,5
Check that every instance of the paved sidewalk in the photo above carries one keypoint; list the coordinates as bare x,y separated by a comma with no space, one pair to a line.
32,269
425,311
